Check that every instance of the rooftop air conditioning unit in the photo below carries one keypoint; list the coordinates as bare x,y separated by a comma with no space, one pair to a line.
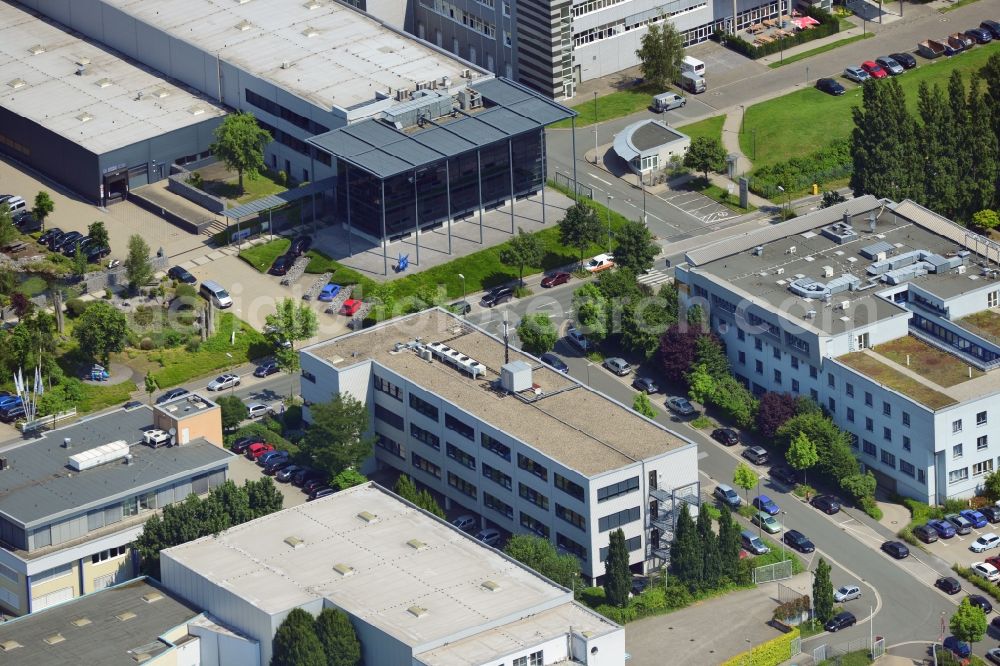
792,249
466,74
446,81
758,251
844,305
780,271
811,314
828,271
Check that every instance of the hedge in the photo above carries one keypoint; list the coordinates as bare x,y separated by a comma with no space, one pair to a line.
829,163
770,653
986,586
828,25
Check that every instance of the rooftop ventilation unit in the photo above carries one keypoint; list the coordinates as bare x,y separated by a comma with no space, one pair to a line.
244,25
469,99
17,83
417,611
85,117
310,31
103,83
807,287
313,4
515,376
99,456
872,221
466,73
792,250
828,271
840,232
343,569
811,314
286,64
368,517
37,49
758,251
456,358
873,251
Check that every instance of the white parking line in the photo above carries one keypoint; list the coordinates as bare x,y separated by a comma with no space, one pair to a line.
599,179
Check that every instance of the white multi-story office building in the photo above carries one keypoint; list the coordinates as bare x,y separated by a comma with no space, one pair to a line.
503,436
886,315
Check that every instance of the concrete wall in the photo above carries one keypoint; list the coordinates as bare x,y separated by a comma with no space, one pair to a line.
973,301
179,185
205,422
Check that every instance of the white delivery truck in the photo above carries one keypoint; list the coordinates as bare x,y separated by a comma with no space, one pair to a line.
689,64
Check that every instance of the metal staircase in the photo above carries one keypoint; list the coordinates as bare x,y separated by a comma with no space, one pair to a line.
664,521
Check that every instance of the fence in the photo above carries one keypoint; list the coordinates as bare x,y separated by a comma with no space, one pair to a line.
565,182
838,654
50,420
772,572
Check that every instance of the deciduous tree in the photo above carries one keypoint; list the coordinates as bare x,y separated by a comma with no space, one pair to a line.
264,497
522,250
138,269
801,454
240,142
745,478
706,154
986,219
592,311
537,333
642,404
539,554
291,322
101,330
660,53
831,198
349,478
232,409
98,234
737,403
580,228
710,353
336,635
775,409
968,623
678,347
296,643
337,436
8,232
701,385
149,382
634,247
617,577
43,207
822,592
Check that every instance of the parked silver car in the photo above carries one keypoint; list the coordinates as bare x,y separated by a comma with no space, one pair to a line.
856,74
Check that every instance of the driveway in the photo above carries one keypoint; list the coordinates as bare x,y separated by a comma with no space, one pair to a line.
241,469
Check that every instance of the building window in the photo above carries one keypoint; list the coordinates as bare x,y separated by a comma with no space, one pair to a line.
991,298
795,362
618,489
921,476
461,485
868,399
567,486
906,468
981,442
571,517
308,376
534,525
814,394
498,505
529,465
462,428
53,573
9,574
533,496
424,407
869,424
956,426
813,372
854,440
777,377
830,381
633,544
850,389
984,467
570,546
776,353
498,477
740,335
387,387
390,445
886,409
906,443
870,448
957,475
832,404
389,417
906,419
795,386
495,446
618,519
888,459
850,415
742,357
109,554
758,344
425,436
461,456
425,465
956,451
758,367
887,434
981,418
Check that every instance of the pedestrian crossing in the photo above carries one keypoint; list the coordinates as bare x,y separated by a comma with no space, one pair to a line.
654,278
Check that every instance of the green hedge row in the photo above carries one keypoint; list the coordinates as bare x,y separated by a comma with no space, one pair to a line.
770,653
799,173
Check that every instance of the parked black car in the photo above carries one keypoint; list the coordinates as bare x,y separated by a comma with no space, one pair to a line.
69,249
241,445
12,413
305,475
825,503
276,465
799,541
784,474
896,549
496,296
181,275
171,394
62,243
993,27
841,621
320,493
830,86
925,533
948,585
49,235
26,222
282,264
266,369
53,241
95,252
726,436
300,245
285,475
992,513
904,59
980,34
980,601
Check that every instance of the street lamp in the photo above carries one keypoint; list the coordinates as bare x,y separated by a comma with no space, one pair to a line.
782,190
610,198
642,184
595,128
743,116
462,278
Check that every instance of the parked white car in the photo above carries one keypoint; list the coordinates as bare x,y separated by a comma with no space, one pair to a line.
986,570
846,593
985,542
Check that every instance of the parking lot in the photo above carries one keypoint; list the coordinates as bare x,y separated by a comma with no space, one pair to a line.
698,206
956,549
241,469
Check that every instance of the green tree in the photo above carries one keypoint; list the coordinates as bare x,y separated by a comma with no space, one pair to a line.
406,489
831,198
968,623
296,643
706,154
729,544
979,185
264,497
990,73
8,232
349,478
745,478
79,262
642,404
150,385
701,385
860,487
138,269
686,559
426,501
833,445
939,172
43,207
660,53
592,311
336,635
822,592
522,250
539,554
580,228
617,577
801,454
233,501
646,319
240,142
98,234
712,570
991,486
537,333
709,353
233,411
735,401
336,438
289,324
101,330
986,219
634,247
884,144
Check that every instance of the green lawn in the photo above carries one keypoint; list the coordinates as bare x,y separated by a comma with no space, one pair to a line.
261,186
262,256
799,123
709,127
612,105
732,202
889,376
99,396
820,49
956,5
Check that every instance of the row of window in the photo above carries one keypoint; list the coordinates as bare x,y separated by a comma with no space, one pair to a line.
423,407
387,387
109,554
461,485
497,477
498,505
284,113
459,15
622,26
618,489
978,469
593,6
425,436
422,463
888,459
633,544
617,519
529,465
571,517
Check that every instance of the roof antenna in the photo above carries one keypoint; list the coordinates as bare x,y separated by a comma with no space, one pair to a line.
506,340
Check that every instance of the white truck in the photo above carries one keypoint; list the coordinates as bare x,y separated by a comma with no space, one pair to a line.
693,65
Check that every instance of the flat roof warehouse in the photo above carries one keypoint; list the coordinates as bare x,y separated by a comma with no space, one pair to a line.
111,104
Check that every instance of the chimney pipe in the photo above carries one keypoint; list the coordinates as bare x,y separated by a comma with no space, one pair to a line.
506,341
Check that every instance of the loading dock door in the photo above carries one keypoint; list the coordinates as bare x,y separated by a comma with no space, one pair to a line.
138,176
115,185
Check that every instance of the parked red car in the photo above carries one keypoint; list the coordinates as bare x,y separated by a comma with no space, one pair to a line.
874,69
350,307
555,279
255,451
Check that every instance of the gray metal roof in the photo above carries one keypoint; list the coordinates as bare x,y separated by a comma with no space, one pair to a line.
106,640
385,151
39,484
278,200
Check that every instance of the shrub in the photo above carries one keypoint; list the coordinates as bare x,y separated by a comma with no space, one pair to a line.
143,316
75,307
185,292
146,344
869,506
701,422
828,163
193,344
769,653
617,614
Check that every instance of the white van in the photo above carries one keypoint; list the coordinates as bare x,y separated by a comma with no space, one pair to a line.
668,102
689,64
16,205
215,294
